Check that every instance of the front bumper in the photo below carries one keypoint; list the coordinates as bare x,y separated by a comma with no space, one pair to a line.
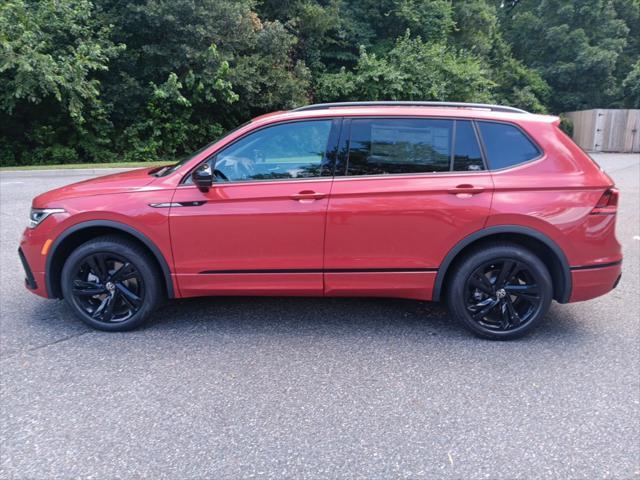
29,279
33,260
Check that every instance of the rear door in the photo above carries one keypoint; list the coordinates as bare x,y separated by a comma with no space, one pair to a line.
260,228
410,189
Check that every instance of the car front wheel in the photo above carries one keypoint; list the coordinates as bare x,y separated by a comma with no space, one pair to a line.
500,292
111,283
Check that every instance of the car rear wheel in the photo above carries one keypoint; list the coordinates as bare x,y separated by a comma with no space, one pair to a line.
111,283
500,292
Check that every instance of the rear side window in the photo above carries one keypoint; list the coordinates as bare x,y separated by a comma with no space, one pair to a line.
391,146
506,145
467,157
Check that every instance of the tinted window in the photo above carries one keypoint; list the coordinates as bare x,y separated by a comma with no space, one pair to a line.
506,145
289,150
467,151
389,146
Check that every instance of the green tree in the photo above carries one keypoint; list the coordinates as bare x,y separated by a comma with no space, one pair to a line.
627,66
219,51
331,32
412,70
50,54
323,31
631,87
574,46
477,30
149,79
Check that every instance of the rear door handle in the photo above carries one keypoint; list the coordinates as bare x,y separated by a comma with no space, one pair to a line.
308,195
465,188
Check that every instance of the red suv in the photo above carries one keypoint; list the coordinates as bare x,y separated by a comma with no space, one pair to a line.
489,207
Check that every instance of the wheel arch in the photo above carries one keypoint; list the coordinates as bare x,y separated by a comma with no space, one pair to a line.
82,232
547,250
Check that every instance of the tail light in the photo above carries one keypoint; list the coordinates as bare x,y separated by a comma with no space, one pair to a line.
608,203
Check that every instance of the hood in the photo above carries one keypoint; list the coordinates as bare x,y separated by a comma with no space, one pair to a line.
115,183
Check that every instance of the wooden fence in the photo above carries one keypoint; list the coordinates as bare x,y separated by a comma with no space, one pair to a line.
606,130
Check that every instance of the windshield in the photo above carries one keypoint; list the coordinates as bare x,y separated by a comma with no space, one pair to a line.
172,168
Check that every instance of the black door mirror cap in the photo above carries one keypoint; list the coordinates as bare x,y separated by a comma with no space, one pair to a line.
203,177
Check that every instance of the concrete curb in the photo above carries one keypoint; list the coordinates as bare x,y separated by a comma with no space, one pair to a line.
90,172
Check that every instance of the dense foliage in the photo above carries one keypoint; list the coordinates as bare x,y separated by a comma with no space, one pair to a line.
108,80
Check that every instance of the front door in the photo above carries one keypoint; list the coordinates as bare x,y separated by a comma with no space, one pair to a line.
260,229
411,189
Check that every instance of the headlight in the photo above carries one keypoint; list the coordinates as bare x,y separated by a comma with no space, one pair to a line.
37,215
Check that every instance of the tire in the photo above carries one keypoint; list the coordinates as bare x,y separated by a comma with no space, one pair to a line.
111,283
500,291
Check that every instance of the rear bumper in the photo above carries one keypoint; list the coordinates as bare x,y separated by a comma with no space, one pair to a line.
594,281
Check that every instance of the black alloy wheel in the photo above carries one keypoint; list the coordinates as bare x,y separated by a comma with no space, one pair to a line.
501,291
502,295
108,287
111,283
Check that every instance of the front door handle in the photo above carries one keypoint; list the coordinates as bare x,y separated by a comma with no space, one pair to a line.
307,195
465,188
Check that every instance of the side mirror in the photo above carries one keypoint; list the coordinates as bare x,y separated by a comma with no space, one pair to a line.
203,177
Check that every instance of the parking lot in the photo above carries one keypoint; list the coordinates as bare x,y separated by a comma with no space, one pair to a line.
317,388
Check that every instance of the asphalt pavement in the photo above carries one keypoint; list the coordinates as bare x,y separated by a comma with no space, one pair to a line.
317,388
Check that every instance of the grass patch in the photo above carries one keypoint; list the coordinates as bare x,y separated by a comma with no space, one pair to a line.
86,165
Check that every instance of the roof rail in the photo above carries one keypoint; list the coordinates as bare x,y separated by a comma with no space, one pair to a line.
386,103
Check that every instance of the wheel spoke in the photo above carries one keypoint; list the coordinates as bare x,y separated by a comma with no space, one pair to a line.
130,297
108,310
530,292
504,316
125,272
132,308
507,272
482,283
485,307
97,313
82,288
98,266
102,262
514,318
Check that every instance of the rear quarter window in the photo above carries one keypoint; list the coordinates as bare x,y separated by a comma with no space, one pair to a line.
506,145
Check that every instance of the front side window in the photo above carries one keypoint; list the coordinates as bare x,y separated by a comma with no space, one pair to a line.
506,145
391,146
285,151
